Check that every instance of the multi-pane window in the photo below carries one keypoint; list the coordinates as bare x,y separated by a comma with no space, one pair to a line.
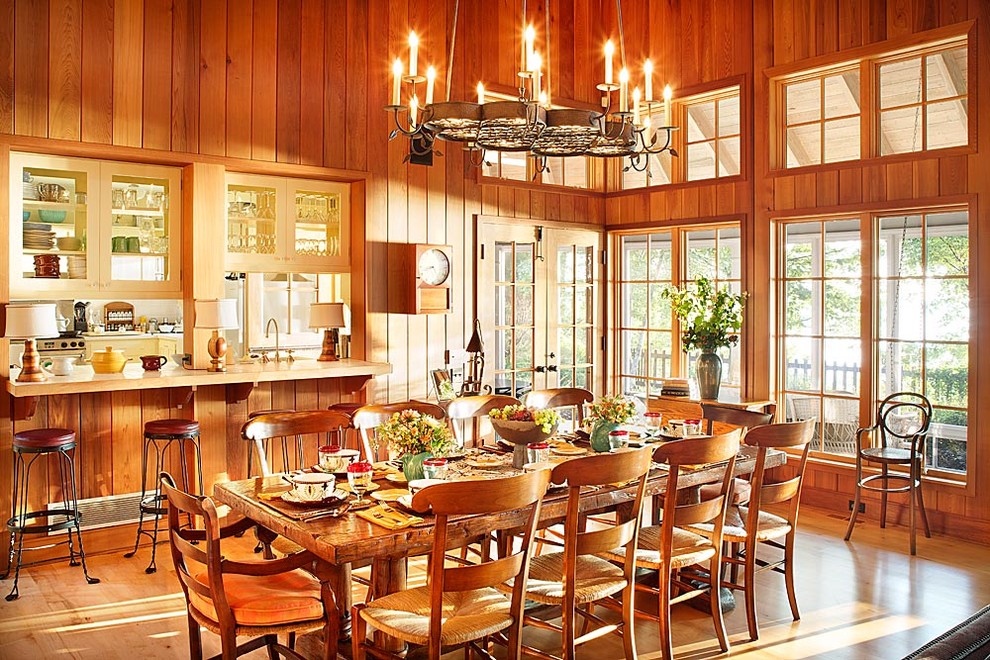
918,342
571,172
575,315
712,141
515,290
505,165
648,350
923,101
823,119
650,169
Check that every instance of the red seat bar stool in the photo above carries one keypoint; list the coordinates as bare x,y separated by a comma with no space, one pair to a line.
159,435
28,446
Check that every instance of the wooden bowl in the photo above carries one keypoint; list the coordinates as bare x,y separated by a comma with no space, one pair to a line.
520,433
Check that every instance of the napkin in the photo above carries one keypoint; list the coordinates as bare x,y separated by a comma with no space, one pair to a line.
389,518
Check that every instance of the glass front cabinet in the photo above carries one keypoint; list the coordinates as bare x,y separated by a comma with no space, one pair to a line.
280,225
79,227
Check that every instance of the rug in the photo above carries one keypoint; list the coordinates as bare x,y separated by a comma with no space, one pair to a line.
970,640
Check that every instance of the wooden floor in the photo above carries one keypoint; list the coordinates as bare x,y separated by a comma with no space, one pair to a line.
867,599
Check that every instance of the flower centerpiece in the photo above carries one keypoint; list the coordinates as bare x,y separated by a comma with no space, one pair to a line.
414,437
521,425
710,319
606,415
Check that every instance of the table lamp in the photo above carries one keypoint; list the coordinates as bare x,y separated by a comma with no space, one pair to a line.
330,317
28,322
216,315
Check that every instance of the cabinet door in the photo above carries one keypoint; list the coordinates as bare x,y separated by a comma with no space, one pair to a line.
140,246
256,235
318,221
54,226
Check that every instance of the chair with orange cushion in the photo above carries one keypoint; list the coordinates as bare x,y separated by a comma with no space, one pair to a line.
234,598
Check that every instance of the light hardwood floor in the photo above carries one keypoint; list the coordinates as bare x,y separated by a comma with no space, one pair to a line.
865,599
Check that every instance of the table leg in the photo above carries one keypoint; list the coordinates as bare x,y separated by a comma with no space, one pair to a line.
338,580
388,575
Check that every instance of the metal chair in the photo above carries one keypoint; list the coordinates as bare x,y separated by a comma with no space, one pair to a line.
902,424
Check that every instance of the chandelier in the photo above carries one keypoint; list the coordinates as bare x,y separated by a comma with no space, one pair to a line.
531,124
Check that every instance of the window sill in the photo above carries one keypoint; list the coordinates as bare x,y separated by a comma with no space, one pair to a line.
949,152
849,462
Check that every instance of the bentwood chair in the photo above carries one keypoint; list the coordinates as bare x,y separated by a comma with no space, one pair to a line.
562,397
672,550
368,418
575,578
749,527
460,605
234,598
465,409
713,413
902,424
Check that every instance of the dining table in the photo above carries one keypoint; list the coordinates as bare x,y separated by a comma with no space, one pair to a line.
338,543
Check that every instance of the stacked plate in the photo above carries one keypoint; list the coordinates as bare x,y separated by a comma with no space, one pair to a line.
37,239
29,190
77,267
46,265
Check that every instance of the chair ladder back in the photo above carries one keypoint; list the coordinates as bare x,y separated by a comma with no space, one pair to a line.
472,408
603,469
261,428
704,511
561,397
778,436
603,540
746,419
368,418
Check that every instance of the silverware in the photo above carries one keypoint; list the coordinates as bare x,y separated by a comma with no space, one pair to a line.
333,513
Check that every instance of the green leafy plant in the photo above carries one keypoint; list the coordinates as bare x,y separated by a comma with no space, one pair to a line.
546,419
710,318
615,409
411,432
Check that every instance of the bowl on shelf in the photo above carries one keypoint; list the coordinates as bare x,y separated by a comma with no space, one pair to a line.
26,215
51,216
69,243
50,192
166,327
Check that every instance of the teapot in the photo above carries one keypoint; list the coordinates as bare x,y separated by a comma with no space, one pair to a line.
109,361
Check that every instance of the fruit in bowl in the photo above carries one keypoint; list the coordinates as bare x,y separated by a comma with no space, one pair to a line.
521,425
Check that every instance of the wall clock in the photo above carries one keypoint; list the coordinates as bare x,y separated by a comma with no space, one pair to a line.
419,278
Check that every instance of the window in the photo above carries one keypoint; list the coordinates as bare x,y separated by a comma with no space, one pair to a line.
918,342
823,119
648,350
505,165
571,172
923,101
285,297
651,169
713,136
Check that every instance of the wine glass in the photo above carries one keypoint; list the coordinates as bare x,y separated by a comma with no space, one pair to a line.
359,476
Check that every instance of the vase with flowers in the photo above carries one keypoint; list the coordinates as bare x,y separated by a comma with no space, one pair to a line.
606,415
710,319
415,437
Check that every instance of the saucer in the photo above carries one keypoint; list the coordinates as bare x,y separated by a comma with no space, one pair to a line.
347,487
568,450
390,494
337,496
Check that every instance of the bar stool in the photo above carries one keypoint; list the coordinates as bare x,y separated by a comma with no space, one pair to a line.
158,437
267,444
28,446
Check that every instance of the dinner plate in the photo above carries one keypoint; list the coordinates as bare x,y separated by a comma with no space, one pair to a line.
390,494
336,497
568,450
320,468
484,461
396,478
347,488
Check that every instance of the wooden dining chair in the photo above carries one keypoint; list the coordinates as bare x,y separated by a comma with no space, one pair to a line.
260,429
235,598
576,577
902,425
460,605
368,418
562,397
751,526
472,409
712,414
675,552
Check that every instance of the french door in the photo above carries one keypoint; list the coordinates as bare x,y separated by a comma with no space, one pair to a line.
539,300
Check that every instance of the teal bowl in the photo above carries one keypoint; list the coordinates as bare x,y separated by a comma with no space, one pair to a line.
52,216
27,216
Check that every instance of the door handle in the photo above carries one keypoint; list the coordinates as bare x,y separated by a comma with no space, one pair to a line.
541,369
552,368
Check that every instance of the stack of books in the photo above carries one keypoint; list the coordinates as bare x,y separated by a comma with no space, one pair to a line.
676,387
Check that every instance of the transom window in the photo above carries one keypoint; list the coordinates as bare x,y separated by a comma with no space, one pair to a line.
823,119
712,143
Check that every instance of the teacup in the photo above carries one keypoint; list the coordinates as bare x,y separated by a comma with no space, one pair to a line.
335,459
153,362
312,487
61,365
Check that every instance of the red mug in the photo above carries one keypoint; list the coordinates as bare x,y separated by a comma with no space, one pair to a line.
153,362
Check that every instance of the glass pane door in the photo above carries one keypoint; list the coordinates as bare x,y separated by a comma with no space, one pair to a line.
317,228
139,239
251,218
573,312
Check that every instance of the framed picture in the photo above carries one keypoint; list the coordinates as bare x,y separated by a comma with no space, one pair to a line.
443,385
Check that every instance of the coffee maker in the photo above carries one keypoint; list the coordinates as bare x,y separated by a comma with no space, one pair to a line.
79,312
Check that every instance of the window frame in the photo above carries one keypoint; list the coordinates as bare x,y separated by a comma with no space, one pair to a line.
780,101
682,111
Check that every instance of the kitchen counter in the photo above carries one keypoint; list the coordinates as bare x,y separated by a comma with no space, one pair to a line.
83,379
95,337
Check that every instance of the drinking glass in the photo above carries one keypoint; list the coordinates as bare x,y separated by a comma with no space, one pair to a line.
359,476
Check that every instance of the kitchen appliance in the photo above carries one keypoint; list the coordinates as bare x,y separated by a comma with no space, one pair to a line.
79,313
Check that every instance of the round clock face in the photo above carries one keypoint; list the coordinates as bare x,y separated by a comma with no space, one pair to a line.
434,267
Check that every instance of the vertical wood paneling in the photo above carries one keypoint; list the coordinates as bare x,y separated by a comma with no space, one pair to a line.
31,68
128,60
213,78
185,75
335,83
157,80
289,81
128,441
97,63
7,67
359,73
240,34
264,75
64,70
311,102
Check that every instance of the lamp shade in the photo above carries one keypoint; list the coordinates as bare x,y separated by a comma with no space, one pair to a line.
328,315
216,314
30,321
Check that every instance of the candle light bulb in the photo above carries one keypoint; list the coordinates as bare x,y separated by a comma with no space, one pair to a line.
413,109
544,100
481,93
648,74
609,51
530,36
624,90
636,97
413,52
431,78
537,74
396,81
668,93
